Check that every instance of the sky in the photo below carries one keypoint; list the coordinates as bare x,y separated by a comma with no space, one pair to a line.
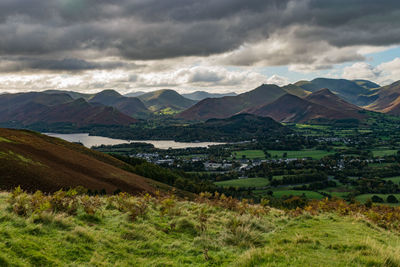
189,45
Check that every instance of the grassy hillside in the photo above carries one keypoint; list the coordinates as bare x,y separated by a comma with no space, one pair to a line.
164,231
36,161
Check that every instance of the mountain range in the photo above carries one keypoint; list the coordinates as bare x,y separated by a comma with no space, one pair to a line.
303,101
35,107
230,105
322,104
357,92
298,102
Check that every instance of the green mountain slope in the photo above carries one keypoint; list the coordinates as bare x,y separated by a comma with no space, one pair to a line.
296,90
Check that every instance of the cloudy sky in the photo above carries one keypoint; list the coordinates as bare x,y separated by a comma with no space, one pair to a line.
187,45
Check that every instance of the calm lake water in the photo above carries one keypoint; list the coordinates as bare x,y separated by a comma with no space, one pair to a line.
90,141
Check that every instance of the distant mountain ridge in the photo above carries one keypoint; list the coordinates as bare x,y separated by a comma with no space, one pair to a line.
356,92
130,106
36,107
164,99
326,98
230,105
200,95
388,99
345,97
321,104
134,94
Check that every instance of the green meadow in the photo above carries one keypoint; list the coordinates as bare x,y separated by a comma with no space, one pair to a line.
246,182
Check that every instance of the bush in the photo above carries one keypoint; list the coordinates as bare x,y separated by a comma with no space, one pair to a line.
377,199
392,199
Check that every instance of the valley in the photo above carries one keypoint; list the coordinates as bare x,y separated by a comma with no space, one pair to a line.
145,133
272,142
279,156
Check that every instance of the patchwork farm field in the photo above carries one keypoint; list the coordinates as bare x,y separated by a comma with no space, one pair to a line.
279,193
383,152
249,154
315,154
259,154
246,182
395,180
363,198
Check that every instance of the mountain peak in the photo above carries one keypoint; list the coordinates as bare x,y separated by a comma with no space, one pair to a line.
109,93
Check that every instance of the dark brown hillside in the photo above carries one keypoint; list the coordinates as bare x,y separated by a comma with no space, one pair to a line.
290,108
393,108
230,105
131,106
36,161
326,98
388,100
29,108
84,113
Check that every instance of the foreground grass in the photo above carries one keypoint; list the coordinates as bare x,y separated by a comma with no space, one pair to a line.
184,233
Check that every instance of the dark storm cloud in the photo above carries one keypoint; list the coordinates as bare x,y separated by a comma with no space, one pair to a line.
15,64
154,29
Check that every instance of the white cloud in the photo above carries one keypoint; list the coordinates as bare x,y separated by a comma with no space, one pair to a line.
278,80
288,47
361,70
390,71
385,73
203,76
186,78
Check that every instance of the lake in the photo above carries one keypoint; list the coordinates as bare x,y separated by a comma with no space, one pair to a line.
90,141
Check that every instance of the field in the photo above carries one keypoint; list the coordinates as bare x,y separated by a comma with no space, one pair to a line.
182,233
249,154
337,194
363,198
395,180
279,193
315,154
383,152
247,182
